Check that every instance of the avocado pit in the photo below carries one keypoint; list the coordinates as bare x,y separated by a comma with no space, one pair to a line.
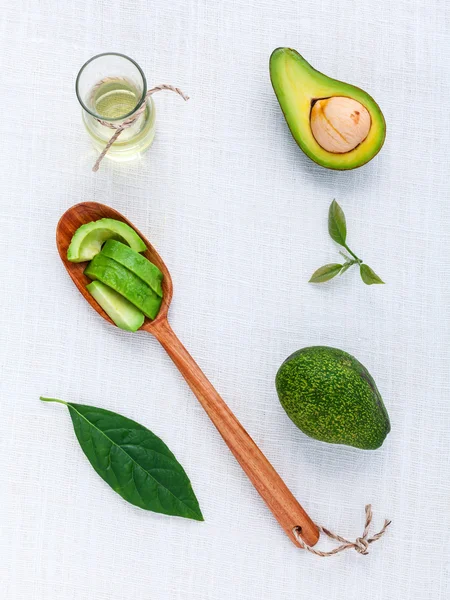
339,124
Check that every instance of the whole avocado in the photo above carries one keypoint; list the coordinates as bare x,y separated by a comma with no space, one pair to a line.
332,397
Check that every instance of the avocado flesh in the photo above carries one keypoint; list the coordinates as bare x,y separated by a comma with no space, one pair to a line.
297,86
136,263
331,397
126,283
124,314
88,239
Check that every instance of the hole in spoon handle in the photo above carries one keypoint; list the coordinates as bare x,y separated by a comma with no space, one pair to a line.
286,509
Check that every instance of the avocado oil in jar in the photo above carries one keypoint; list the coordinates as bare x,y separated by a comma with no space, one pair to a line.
111,88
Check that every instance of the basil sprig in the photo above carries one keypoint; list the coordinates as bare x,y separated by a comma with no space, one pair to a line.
337,228
133,461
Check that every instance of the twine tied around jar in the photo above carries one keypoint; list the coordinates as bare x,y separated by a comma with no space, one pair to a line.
131,119
361,544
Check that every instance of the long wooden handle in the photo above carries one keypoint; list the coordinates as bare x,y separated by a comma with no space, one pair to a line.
266,480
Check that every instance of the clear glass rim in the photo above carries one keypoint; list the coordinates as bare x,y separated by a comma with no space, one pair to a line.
138,104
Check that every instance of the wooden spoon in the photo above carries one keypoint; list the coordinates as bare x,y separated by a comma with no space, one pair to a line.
266,480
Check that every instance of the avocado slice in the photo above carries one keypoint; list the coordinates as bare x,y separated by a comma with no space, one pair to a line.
88,239
124,314
126,283
332,397
341,113
136,263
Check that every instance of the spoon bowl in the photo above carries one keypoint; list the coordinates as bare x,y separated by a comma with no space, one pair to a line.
280,500
85,212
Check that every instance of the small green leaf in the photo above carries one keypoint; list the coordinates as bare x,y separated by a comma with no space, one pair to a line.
337,227
368,276
346,266
133,461
325,273
347,258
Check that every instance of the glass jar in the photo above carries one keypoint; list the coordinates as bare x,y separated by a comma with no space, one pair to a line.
111,87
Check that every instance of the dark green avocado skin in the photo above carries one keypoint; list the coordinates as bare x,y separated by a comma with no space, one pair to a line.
332,397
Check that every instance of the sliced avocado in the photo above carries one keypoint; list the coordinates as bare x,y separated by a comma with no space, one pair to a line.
88,239
138,264
312,101
126,283
332,397
124,314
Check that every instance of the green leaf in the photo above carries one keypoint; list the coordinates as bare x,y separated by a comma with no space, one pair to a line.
346,266
325,273
368,276
133,461
337,227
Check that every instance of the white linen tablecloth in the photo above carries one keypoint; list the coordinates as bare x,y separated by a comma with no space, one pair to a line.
239,214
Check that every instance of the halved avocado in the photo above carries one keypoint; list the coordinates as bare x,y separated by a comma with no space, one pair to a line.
298,86
124,314
137,263
88,239
126,283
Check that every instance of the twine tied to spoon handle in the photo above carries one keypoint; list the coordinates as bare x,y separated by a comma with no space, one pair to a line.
361,544
132,119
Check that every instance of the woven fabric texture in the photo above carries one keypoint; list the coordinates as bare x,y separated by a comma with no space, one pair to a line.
239,215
